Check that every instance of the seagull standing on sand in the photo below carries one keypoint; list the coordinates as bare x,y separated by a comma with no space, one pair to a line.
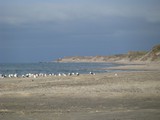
92,73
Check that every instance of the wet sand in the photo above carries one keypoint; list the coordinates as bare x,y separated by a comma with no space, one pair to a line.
125,96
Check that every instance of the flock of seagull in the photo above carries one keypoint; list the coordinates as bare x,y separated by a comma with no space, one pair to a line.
30,75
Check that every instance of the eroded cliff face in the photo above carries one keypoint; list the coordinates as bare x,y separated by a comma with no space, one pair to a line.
133,56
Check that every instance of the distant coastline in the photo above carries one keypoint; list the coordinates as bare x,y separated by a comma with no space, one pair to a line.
131,57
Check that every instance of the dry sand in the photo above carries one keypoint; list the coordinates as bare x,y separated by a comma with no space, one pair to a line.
125,96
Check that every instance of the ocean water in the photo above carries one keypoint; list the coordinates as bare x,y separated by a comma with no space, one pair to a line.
54,67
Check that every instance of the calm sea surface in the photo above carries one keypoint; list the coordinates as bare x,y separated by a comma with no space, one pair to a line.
54,67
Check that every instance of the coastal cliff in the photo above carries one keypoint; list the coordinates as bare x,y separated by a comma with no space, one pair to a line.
132,56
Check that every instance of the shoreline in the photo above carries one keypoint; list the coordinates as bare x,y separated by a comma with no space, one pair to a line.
153,66
127,65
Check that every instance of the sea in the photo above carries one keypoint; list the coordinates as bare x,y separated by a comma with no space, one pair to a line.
54,68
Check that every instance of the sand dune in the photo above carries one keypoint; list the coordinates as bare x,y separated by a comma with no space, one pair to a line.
131,57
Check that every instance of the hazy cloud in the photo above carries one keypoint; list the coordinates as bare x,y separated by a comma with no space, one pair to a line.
63,12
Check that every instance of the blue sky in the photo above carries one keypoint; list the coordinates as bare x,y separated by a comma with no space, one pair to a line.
43,30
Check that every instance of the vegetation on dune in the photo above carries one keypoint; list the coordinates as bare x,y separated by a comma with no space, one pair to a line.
152,55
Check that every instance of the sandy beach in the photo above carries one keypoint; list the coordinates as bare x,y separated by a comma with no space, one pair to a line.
107,96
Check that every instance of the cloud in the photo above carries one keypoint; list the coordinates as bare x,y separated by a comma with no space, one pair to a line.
71,12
